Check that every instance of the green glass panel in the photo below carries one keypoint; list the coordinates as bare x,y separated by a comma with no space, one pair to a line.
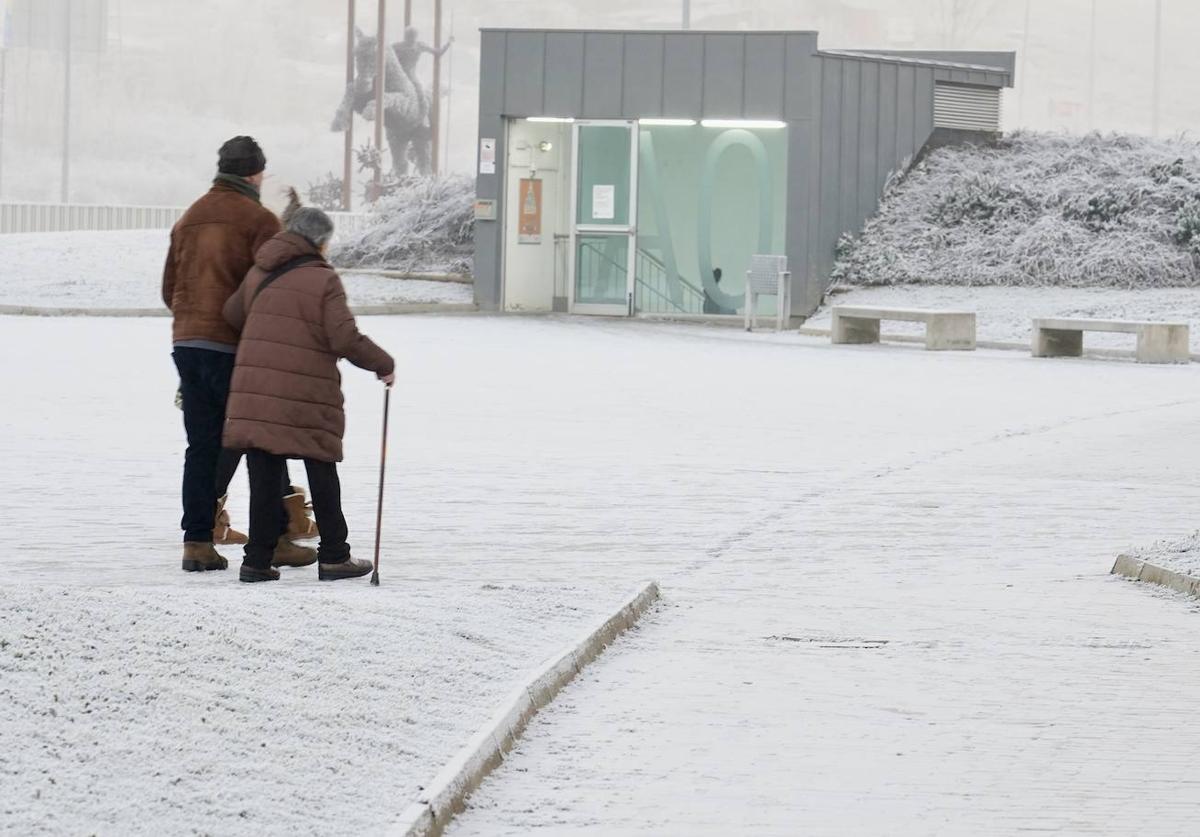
604,170
601,269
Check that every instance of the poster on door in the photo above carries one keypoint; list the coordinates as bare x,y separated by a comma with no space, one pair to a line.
604,202
529,224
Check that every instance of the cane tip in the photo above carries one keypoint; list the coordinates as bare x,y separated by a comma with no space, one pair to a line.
375,578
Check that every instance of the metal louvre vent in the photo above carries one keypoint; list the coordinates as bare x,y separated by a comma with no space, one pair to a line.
966,108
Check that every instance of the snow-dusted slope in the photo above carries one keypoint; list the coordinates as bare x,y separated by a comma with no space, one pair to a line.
1039,209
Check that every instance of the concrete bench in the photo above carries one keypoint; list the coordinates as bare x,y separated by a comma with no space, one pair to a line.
1156,342
944,330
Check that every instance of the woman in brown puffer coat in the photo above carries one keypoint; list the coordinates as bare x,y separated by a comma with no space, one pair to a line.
285,401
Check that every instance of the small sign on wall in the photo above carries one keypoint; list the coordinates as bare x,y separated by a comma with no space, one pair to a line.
529,225
487,155
604,202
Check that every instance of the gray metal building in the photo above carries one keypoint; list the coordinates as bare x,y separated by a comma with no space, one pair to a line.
737,143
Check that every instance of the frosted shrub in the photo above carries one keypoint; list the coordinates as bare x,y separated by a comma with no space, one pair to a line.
425,226
1038,209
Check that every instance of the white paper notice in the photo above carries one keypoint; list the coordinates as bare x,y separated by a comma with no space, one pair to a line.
604,201
487,155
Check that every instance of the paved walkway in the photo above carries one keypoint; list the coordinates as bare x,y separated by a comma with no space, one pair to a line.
919,638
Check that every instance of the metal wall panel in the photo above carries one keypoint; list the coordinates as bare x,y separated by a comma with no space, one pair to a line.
802,78
491,73
524,66
848,193
763,83
828,213
923,108
683,71
563,74
724,72
603,54
868,141
906,121
489,186
643,83
888,158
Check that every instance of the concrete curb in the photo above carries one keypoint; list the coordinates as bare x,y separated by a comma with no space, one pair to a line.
446,795
358,310
1139,570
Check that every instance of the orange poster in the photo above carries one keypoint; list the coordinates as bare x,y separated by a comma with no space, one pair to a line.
529,227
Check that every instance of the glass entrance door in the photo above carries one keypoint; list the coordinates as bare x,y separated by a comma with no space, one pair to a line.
604,213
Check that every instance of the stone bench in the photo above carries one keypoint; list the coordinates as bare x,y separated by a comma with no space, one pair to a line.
944,330
1156,342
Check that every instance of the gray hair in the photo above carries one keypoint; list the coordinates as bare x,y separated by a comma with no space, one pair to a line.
311,223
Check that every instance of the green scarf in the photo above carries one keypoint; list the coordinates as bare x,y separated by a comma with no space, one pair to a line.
241,184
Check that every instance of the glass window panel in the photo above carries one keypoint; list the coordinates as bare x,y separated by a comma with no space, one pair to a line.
708,200
601,269
603,175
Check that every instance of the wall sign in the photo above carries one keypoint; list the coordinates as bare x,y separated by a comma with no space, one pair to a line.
604,202
487,155
529,224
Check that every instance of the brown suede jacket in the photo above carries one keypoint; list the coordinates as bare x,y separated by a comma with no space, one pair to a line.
212,248
286,393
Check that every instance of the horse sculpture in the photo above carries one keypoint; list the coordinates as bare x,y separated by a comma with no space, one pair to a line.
405,107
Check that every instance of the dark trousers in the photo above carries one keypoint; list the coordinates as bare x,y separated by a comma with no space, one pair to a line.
204,379
266,512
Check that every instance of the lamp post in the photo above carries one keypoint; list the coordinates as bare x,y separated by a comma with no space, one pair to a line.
435,112
380,82
1158,38
687,14
66,120
348,152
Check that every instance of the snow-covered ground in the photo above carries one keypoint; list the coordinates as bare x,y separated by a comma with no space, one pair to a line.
124,270
887,600
1179,554
1005,313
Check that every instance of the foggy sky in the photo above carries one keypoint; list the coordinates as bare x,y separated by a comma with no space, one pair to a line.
176,77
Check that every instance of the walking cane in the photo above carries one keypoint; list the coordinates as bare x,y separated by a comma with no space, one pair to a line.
387,397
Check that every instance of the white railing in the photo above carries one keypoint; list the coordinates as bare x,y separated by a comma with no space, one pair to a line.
65,217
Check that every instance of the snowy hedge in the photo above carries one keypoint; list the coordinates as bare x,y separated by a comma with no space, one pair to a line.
1038,209
424,226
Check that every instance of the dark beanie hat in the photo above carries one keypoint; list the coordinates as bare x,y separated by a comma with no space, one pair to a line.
241,156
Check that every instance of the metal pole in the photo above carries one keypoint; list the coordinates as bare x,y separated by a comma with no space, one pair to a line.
1158,33
348,153
3,102
1091,106
449,98
66,136
407,13
380,82
687,14
435,112
1024,82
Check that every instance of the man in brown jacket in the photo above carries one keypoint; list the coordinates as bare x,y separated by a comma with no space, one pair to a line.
212,248
286,397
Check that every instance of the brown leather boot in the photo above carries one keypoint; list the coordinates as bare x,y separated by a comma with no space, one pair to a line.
254,574
199,557
301,526
350,568
288,554
223,533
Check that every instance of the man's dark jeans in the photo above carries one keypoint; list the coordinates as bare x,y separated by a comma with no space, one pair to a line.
267,514
204,379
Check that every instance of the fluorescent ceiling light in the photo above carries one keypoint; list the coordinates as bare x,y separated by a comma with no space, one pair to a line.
742,123
668,122
550,119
